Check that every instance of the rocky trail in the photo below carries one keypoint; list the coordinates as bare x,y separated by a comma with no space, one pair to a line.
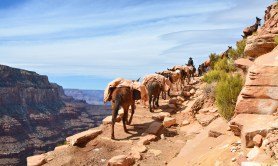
172,135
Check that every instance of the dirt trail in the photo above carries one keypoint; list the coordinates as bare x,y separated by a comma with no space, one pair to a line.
171,142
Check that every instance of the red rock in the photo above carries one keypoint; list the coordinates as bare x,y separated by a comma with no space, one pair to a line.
154,128
213,133
249,125
136,155
108,120
180,99
257,140
185,122
160,116
173,101
205,119
147,139
61,148
243,63
263,41
260,92
121,160
37,160
192,91
83,137
168,122
254,153
139,148
259,45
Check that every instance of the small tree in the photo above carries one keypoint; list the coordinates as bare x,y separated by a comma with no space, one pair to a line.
226,93
213,59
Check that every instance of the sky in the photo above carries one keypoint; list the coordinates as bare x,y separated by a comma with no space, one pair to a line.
85,44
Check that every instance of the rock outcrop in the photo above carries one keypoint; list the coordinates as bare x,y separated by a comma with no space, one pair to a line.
36,115
263,41
260,92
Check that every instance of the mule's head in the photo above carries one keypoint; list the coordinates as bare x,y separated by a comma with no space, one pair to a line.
258,21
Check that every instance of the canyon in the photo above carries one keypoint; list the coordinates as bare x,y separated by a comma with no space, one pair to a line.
36,115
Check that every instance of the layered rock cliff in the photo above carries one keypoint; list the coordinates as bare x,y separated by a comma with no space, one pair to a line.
260,92
36,115
262,41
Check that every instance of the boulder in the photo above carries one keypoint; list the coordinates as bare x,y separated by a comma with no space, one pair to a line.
173,101
243,63
180,99
192,91
154,128
83,137
108,120
168,122
121,160
185,122
253,153
160,116
146,139
172,105
259,44
257,140
205,119
260,92
136,155
215,134
61,148
36,160
139,148
249,125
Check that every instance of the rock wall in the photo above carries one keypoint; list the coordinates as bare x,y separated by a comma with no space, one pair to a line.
36,115
260,92
263,41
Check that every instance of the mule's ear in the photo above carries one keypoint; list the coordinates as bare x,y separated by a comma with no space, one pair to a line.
138,79
136,94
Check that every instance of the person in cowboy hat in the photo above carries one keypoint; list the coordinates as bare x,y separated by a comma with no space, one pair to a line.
190,62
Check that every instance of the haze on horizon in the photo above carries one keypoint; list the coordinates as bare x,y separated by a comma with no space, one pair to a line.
85,44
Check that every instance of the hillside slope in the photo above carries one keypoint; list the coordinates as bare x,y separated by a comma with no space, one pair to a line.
36,115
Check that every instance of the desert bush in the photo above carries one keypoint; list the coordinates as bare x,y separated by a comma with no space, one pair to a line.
239,51
226,93
209,90
276,40
214,76
213,59
224,65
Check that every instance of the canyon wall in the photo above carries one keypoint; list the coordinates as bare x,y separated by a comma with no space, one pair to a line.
36,115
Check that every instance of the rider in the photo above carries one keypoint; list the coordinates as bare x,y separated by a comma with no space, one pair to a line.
190,62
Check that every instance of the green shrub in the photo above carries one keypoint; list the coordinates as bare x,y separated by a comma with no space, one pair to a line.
239,51
224,65
226,93
62,143
213,59
214,76
276,40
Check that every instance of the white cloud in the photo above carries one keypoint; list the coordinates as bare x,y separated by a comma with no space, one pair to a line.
127,38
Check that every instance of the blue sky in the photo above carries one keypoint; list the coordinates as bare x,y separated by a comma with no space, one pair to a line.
87,43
